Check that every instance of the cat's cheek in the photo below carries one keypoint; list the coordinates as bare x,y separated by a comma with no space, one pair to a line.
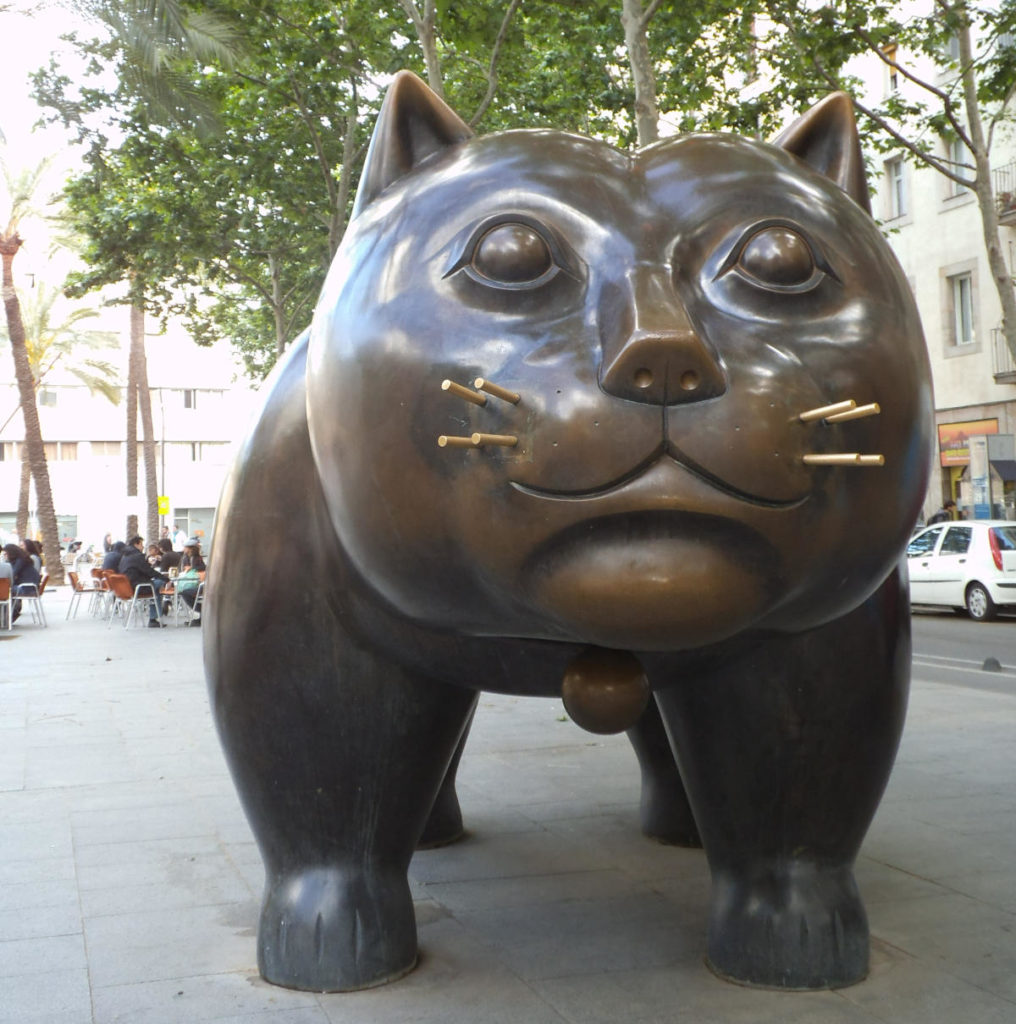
667,594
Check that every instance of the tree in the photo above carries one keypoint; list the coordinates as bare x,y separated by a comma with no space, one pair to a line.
51,343
20,192
812,50
237,236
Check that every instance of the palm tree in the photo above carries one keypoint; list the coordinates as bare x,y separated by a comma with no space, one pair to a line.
153,37
20,191
51,343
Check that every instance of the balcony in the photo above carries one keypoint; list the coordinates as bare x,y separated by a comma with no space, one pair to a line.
1003,366
1003,180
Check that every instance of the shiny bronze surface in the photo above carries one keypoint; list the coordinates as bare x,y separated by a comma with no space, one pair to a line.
605,691
660,470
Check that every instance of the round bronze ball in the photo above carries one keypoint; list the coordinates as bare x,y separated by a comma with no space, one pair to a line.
605,691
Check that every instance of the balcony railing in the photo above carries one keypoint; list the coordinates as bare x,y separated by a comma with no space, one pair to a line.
1003,180
1003,366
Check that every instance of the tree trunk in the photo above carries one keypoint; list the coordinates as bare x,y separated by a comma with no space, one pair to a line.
635,21
24,493
425,23
9,246
147,430
278,302
132,423
985,193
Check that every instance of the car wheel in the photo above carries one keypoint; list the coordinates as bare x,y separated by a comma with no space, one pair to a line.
980,606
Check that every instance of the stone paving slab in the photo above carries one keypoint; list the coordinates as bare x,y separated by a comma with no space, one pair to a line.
130,884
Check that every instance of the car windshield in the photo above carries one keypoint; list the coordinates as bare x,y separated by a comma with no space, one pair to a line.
1006,536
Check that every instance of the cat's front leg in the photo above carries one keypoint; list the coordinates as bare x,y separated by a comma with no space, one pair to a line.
786,751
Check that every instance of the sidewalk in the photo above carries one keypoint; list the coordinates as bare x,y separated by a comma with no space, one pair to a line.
129,882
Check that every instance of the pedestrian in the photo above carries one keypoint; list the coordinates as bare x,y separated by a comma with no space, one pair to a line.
946,513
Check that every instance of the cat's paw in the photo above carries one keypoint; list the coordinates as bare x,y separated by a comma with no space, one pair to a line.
793,926
336,929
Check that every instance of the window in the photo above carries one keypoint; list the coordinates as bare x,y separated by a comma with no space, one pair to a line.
896,187
957,541
958,157
47,397
923,544
61,451
106,449
891,55
961,289
190,399
952,48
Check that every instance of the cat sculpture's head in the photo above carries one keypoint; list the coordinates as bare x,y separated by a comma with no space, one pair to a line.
654,465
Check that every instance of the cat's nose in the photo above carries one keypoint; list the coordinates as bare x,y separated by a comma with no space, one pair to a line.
651,351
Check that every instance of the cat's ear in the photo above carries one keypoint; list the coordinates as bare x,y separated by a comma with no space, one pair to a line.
414,123
826,138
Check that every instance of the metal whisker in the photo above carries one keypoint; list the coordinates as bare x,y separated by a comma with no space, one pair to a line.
478,439
482,384
499,440
824,411
873,409
463,392
844,459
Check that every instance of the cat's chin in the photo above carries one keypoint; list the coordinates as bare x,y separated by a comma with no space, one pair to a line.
660,593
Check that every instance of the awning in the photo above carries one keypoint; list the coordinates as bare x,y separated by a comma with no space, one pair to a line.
1006,468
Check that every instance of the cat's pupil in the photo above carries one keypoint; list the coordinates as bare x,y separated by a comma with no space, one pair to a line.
778,256
512,254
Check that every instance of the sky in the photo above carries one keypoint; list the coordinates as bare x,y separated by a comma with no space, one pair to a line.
28,43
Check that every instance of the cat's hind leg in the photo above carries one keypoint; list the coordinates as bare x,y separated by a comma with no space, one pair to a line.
665,812
786,751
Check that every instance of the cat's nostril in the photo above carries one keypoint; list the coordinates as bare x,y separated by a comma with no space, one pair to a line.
689,380
643,378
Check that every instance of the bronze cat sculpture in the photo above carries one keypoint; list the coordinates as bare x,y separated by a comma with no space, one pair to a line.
647,431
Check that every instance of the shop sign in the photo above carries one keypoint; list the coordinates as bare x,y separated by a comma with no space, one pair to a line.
954,440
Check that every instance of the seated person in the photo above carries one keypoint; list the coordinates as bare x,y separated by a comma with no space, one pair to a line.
187,582
135,567
169,559
111,560
6,572
23,574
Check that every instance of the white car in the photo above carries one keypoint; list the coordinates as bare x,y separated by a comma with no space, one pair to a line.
969,565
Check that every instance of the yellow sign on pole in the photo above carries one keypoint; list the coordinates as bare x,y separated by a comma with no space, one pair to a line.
163,501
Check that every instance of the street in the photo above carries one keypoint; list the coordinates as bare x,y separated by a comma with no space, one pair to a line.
950,648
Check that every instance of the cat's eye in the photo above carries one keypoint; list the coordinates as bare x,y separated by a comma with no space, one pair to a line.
512,254
513,251
778,257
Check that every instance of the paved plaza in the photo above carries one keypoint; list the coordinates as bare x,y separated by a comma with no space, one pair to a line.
129,882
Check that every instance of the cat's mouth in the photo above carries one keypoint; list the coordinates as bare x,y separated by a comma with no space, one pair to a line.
663,455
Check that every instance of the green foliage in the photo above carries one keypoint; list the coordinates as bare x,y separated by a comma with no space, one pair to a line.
235,229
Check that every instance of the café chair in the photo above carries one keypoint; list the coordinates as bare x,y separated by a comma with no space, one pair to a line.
30,597
6,603
127,598
79,590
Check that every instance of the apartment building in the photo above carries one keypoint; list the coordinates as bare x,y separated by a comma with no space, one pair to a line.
198,414
934,226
